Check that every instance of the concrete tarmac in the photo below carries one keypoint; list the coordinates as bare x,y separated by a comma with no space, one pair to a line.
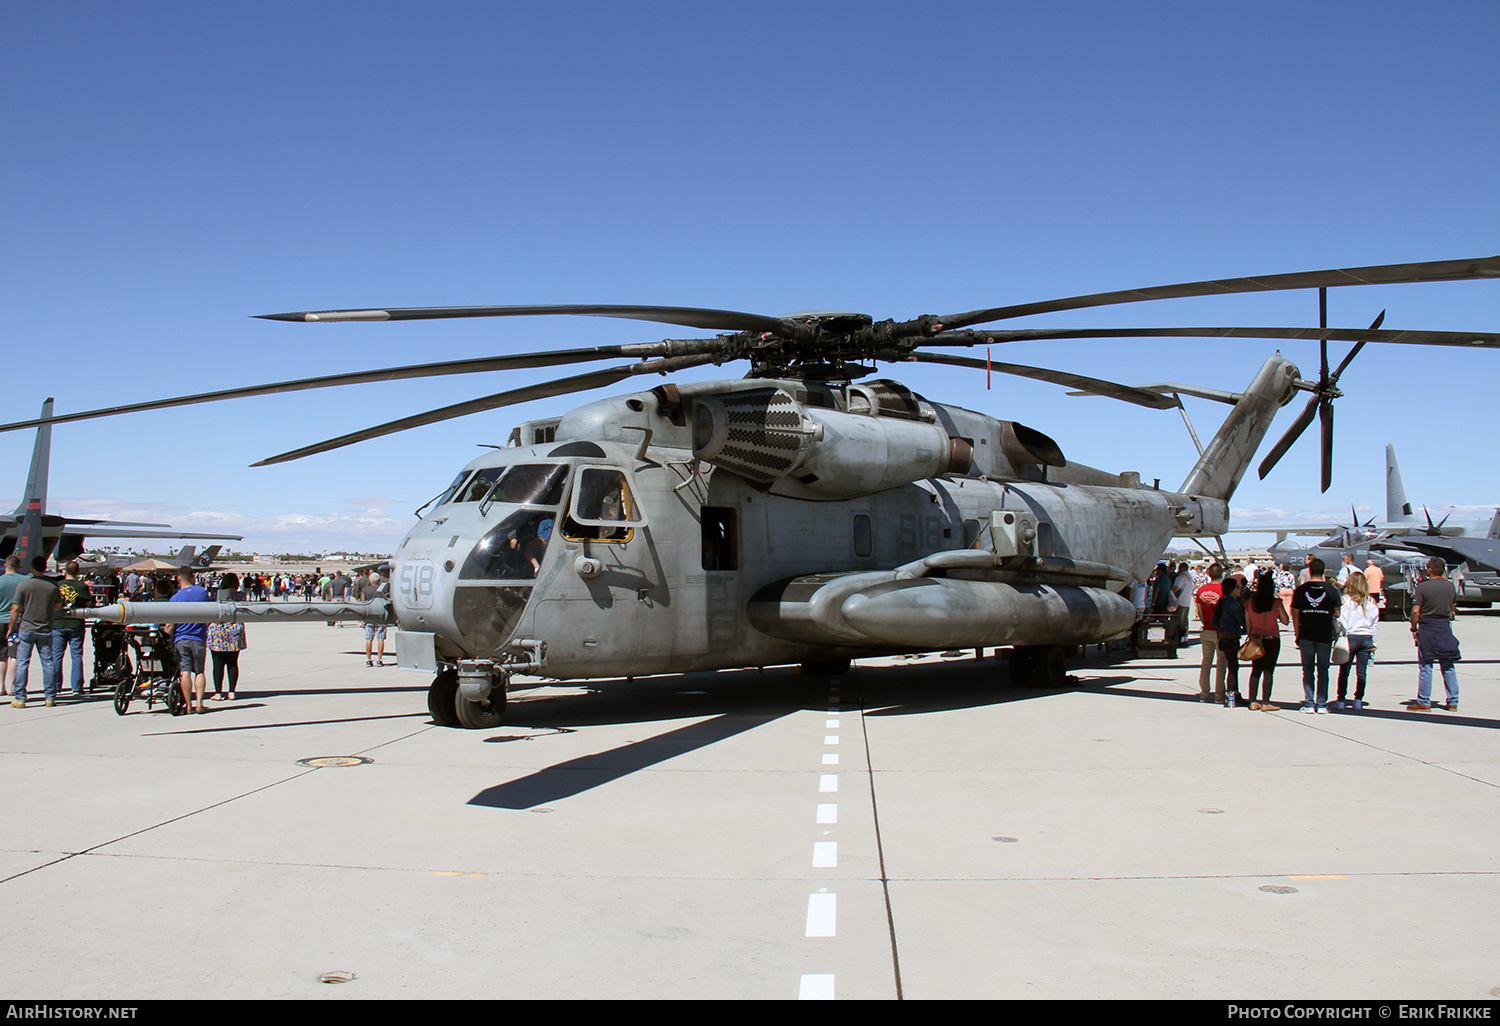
917,828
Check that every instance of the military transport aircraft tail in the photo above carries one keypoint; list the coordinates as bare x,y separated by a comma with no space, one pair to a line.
28,514
30,532
1398,509
1218,471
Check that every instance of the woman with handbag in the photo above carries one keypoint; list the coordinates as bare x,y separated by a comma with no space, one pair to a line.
1359,617
1264,615
226,641
1229,621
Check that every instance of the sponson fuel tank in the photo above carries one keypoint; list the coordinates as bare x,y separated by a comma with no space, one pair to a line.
883,609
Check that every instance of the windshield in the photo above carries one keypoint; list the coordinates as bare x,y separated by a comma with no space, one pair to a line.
531,484
534,484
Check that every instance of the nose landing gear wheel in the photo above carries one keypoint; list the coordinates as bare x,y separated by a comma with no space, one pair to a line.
481,715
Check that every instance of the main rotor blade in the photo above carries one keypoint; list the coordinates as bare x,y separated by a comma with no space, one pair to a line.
1140,397
689,316
1385,274
1289,439
560,386
1484,339
419,370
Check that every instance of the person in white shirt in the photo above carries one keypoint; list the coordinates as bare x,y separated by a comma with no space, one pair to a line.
1359,616
1182,598
1346,570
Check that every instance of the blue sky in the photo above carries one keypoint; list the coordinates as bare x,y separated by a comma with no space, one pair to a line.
171,169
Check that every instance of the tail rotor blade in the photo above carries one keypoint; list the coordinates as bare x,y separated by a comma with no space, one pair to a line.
1374,326
1289,439
1325,414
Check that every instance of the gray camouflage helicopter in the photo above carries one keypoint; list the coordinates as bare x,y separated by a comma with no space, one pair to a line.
800,514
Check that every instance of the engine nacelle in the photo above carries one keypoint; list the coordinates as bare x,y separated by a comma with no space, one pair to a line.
764,435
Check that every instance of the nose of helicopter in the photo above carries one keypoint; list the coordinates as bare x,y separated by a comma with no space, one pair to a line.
467,576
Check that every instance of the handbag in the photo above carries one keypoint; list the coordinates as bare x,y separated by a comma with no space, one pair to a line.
1340,654
1252,649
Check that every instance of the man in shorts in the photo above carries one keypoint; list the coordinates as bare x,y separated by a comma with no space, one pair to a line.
373,631
191,642
8,582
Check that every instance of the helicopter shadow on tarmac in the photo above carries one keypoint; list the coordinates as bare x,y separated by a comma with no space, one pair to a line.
735,702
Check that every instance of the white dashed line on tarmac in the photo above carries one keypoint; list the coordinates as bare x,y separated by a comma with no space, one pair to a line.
822,907
816,987
822,914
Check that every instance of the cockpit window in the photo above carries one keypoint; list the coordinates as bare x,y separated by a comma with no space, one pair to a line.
603,496
532,484
602,507
512,551
478,486
451,489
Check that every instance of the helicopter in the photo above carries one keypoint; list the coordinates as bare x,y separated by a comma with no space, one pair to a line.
801,514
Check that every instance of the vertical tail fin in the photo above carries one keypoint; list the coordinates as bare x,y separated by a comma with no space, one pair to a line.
29,541
1397,507
1218,471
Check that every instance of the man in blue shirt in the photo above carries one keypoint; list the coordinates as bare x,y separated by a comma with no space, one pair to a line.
191,642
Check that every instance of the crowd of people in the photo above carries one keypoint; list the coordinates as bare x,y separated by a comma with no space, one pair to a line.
1332,619
134,586
47,616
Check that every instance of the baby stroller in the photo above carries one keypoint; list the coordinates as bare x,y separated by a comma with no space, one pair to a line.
155,678
111,656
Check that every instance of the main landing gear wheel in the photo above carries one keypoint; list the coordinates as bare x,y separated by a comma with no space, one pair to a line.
123,692
440,699
1039,666
829,667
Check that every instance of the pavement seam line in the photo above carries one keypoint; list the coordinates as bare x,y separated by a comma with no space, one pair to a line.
885,884
1394,754
134,833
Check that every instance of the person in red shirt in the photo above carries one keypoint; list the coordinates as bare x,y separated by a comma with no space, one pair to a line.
1207,598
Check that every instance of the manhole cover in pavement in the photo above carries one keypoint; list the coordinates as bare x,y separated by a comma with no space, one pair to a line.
330,761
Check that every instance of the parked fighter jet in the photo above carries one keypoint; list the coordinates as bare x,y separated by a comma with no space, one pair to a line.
187,556
1477,560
